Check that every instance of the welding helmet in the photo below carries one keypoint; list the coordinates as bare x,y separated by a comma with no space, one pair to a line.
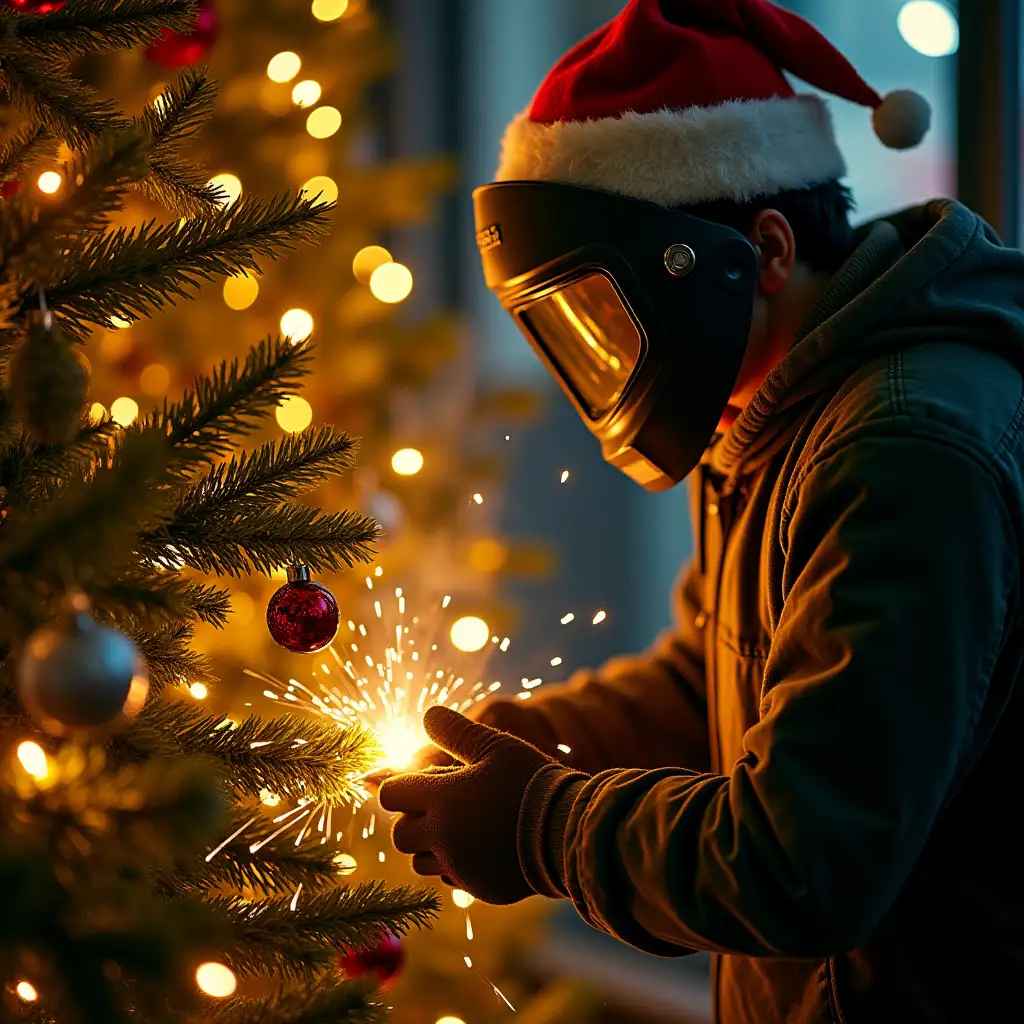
641,313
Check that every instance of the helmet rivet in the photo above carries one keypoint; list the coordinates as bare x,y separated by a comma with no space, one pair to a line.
680,260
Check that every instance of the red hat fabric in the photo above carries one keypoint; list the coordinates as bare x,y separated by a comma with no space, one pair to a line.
684,101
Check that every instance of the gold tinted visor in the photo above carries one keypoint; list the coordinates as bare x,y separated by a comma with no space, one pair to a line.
588,332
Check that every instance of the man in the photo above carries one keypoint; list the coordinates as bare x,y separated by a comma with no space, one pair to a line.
815,775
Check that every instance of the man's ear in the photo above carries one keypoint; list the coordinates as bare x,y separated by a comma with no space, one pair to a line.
772,235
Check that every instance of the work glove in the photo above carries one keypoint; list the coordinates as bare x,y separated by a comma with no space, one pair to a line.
511,716
462,821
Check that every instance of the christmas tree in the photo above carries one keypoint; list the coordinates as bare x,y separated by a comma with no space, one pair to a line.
299,108
141,879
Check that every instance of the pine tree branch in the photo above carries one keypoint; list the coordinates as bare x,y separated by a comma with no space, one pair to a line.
42,87
174,117
233,400
169,657
92,523
34,474
34,233
94,26
159,599
265,539
352,1002
270,936
131,272
298,758
272,870
274,471
25,147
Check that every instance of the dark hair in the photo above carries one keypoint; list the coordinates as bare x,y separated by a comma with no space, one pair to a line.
819,217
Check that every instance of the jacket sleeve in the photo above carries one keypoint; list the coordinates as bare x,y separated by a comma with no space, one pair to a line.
643,711
900,573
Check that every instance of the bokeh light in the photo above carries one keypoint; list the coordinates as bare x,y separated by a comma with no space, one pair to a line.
462,899
391,282
470,633
155,379
119,323
306,93
407,461
240,291
216,980
229,186
451,1020
124,411
294,414
269,799
323,122
323,186
284,66
487,554
367,260
297,325
97,412
49,182
33,759
199,691
26,991
329,10
929,27
346,863
243,608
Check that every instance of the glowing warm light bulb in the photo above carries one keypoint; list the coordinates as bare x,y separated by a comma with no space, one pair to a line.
297,325
155,379
269,799
229,186
407,461
323,186
26,992
451,1020
323,122
929,27
97,412
294,414
346,863
470,633
49,182
284,66
240,291
306,93
124,411
329,10
216,980
391,282
118,323
461,898
199,691
367,260
33,759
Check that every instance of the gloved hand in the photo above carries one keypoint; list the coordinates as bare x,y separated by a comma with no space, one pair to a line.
461,821
511,716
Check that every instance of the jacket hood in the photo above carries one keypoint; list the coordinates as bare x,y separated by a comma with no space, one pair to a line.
935,272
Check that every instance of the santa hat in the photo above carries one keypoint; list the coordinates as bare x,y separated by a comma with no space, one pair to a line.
685,101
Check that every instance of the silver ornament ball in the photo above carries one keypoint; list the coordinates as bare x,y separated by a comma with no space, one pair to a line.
80,678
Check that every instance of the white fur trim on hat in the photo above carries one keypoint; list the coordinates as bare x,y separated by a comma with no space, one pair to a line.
735,150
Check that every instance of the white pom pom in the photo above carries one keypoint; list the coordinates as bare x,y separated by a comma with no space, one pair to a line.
902,119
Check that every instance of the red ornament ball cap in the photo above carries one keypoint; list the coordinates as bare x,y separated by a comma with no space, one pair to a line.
302,616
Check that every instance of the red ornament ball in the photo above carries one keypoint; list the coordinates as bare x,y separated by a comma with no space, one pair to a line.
178,49
302,616
384,960
36,6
